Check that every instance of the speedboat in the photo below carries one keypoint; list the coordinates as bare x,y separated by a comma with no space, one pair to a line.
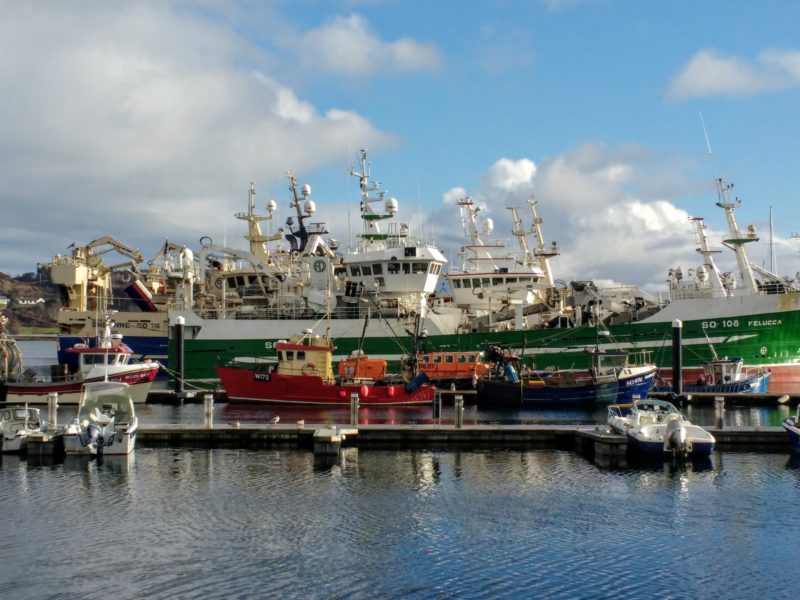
106,421
16,423
657,427
792,427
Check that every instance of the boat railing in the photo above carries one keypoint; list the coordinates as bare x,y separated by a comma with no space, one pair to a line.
290,313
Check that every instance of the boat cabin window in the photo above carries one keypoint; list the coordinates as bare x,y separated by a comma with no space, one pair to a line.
406,269
301,355
476,283
426,359
497,280
419,267
486,282
366,270
449,358
456,283
511,280
377,269
437,359
97,359
394,268
355,271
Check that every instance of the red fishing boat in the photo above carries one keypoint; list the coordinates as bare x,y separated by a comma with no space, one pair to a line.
303,374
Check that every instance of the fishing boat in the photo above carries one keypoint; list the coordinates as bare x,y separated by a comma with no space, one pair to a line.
106,422
792,427
389,276
610,379
724,376
460,370
109,359
16,424
303,374
656,427
495,283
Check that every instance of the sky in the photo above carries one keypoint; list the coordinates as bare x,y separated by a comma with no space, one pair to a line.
147,121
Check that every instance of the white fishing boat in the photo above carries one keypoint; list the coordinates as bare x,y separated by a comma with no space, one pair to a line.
16,423
106,422
109,359
495,282
656,427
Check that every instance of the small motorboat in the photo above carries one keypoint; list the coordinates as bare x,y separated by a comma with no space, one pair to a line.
657,427
106,421
16,424
792,427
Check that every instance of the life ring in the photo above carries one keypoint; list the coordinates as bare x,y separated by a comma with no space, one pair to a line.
126,277
309,368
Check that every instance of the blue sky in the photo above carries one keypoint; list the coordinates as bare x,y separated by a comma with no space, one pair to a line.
147,120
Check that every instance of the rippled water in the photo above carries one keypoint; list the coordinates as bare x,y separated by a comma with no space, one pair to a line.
373,524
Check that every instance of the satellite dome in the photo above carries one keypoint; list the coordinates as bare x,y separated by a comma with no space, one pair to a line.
487,226
310,207
391,206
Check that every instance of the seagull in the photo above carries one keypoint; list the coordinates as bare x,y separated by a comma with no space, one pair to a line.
274,420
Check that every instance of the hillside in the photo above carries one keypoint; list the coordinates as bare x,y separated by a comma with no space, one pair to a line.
24,311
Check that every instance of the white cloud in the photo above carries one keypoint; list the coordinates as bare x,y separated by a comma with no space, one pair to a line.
345,45
711,73
143,120
589,201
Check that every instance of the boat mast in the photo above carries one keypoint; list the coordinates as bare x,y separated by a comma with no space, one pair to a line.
259,243
713,273
543,253
737,241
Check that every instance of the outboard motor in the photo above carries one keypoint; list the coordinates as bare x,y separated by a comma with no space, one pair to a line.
94,440
676,437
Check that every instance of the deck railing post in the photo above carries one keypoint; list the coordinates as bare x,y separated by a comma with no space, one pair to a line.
208,401
179,323
354,409
677,358
437,406
719,411
459,410
52,410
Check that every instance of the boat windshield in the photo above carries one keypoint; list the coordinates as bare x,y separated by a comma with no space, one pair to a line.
109,399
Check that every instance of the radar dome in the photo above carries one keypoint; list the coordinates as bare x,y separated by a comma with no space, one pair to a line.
306,191
271,206
310,207
701,273
487,225
391,206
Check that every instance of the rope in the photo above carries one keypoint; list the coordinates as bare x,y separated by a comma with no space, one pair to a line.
185,382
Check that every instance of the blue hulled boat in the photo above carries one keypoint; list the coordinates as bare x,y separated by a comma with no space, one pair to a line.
611,379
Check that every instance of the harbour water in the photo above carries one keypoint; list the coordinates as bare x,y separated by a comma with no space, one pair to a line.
222,523
274,523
